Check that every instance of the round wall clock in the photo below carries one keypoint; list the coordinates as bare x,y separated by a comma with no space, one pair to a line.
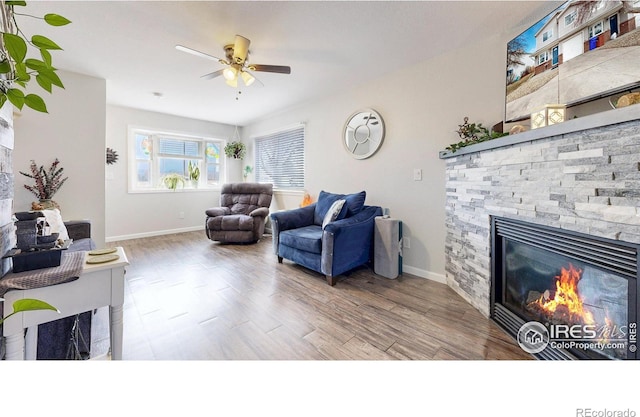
363,133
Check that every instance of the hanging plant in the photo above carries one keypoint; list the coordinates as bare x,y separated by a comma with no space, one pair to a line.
16,70
235,150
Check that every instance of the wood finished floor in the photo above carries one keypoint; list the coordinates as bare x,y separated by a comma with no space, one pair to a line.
187,298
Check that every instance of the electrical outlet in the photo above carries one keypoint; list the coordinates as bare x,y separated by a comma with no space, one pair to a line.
181,215
406,242
417,174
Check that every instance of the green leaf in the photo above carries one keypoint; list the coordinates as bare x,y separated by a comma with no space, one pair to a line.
36,64
56,20
16,3
44,82
15,45
51,76
31,304
21,71
16,97
46,56
43,42
36,103
5,67
3,99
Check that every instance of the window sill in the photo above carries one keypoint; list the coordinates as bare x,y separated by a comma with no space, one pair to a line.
177,190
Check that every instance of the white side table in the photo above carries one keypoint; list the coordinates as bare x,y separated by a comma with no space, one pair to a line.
99,285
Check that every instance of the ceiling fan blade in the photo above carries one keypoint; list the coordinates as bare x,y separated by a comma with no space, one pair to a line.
240,49
200,54
213,74
280,69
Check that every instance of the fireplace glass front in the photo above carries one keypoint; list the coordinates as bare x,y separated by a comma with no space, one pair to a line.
579,287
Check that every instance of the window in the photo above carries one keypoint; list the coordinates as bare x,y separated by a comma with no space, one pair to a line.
155,154
547,35
543,57
595,30
279,158
570,18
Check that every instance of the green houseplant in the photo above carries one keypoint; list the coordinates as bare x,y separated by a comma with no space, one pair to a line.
235,150
194,173
16,69
172,180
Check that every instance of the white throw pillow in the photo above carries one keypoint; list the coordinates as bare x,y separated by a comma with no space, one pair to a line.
54,219
332,213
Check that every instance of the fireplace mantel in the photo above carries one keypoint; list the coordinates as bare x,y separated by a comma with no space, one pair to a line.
606,118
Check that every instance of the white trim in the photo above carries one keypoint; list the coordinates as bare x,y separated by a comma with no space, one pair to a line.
422,273
155,233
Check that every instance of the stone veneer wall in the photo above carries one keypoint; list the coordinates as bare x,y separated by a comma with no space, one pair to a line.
7,234
586,181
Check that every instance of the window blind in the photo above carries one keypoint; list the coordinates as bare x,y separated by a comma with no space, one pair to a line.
280,158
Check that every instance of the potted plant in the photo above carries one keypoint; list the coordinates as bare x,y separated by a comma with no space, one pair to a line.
235,150
47,183
194,173
172,180
16,70
247,170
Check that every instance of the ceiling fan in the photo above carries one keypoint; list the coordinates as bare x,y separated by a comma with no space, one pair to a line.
237,64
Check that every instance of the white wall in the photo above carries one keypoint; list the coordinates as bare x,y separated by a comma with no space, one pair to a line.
422,107
138,215
73,132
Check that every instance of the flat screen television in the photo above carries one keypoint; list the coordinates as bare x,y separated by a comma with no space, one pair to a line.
581,52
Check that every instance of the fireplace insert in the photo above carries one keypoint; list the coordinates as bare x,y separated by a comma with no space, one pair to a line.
562,294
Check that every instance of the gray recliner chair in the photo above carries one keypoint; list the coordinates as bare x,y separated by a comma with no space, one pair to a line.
242,214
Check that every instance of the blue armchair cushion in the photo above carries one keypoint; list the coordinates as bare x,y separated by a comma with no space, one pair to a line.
353,205
308,239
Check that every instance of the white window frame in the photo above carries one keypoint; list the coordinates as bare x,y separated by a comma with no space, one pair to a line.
570,18
281,134
543,57
592,29
547,35
154,184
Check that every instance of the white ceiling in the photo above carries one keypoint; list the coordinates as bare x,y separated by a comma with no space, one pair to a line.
330,46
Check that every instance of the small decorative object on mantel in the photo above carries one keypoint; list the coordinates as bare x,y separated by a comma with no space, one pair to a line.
551,114
112,156
628,100
47,183
517,129
472,133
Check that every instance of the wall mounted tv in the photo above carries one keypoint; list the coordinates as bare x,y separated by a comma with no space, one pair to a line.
581,52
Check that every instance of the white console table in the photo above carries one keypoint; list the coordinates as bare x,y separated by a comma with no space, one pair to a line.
99,285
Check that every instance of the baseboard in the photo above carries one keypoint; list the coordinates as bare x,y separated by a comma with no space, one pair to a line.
155,233
424,274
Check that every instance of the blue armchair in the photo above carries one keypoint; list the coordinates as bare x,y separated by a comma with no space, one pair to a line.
325,237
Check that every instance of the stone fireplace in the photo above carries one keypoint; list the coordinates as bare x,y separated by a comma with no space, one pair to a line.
582,176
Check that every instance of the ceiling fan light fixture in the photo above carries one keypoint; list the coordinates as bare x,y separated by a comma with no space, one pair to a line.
232,83
230,73
247,78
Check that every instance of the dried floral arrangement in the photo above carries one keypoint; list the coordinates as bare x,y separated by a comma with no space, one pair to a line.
47,182
472,133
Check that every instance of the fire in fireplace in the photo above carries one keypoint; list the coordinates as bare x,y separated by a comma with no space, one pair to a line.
581,289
